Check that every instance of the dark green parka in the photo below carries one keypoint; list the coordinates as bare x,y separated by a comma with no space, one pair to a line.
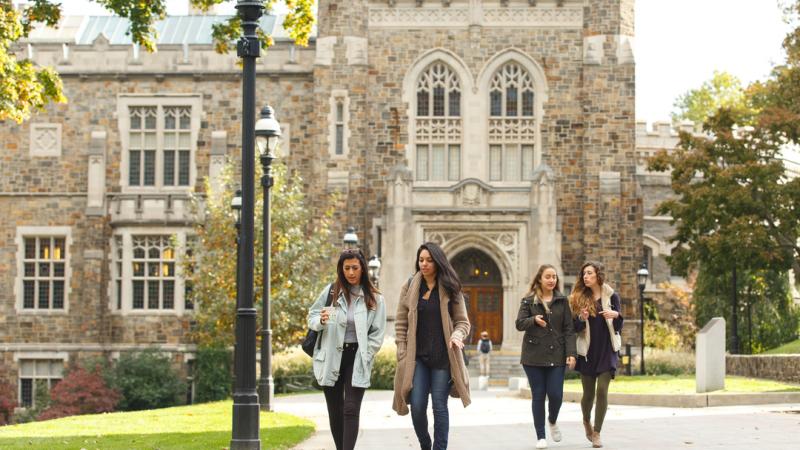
546,346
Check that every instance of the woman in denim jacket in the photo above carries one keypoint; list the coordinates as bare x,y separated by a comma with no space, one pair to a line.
351,336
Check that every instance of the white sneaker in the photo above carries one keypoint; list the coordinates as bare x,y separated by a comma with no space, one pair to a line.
555,433
541,443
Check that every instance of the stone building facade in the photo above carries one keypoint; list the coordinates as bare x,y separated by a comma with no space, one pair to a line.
503,130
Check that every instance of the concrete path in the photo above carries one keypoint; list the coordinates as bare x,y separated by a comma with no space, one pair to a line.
497,420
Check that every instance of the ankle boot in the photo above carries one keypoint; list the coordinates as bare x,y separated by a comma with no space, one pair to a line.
596,442
587,426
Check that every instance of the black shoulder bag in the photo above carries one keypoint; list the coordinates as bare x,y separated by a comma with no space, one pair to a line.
311,337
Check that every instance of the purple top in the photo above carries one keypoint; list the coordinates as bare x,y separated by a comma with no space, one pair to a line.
601,356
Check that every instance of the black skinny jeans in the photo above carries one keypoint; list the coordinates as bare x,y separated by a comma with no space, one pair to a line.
344,402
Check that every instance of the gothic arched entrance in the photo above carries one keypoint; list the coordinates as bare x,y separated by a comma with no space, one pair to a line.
483,287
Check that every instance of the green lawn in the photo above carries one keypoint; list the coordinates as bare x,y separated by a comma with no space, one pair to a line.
789,347
684,384
205,426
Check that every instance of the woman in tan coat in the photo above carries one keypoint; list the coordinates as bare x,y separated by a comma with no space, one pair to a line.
431,326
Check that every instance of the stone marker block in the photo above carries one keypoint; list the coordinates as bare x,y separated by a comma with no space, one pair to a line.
483,383
710,356
517,383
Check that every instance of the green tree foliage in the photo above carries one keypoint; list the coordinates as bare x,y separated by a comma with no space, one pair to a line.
767,316
26,88
778,96
146,380
213,374
723,90
734,204
300,255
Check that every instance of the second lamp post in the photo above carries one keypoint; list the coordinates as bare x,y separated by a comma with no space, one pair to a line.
268,132
641,278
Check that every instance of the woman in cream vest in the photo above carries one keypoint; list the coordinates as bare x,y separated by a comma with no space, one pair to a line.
597,323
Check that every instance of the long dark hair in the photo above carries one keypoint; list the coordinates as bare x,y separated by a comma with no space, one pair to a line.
536,284
445,273
366,285
582,296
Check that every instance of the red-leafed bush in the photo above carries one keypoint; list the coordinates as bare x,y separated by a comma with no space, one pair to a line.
80,392
7,403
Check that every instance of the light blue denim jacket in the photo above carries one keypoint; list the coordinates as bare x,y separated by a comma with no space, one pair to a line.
370,328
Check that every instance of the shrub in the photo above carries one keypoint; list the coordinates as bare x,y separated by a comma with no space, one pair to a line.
663,362
292,371
146,380
384,366
212,374
662,336
6,403
80,392
41,401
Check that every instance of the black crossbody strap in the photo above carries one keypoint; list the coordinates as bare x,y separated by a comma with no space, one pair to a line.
327,303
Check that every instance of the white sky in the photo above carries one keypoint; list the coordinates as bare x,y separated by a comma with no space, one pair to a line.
679,44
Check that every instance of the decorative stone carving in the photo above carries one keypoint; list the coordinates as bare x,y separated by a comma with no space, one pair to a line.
417,17
356,50
325,50
538,17
477,14
625,54
593,50
505,242
45,139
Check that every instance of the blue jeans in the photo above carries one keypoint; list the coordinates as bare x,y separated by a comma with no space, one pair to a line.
435,382
547,381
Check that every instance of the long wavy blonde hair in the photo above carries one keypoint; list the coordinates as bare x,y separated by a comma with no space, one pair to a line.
581,296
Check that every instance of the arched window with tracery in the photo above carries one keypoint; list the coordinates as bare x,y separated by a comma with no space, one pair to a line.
512,124
438,124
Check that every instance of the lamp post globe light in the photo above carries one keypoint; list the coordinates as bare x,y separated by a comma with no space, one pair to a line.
374,269
245,429
268,133
350,238
641,279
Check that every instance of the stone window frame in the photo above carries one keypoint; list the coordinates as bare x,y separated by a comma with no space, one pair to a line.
540,90
410,84
339,125
21,357
120,287
509,132
444,129
24,232
160,102
38,151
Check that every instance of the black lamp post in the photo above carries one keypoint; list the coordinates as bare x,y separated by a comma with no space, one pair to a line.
350,239
236,207
245,433
374,269
641,278
268,132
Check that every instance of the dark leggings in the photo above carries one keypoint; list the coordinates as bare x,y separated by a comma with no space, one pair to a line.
344,402
602,380
549,382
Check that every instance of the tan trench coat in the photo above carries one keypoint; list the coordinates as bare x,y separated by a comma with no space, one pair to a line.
455,326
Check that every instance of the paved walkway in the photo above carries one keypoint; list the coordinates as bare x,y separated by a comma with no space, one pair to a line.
496,420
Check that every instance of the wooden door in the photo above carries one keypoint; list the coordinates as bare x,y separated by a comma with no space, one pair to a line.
485,312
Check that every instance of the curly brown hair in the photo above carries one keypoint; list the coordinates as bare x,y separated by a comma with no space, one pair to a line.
581,296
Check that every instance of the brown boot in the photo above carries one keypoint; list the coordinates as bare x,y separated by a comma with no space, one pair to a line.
596,443
587,426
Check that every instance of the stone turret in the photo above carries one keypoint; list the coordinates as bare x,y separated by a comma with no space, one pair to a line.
341,109
612,214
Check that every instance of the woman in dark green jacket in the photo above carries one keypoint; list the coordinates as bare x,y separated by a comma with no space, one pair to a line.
548,347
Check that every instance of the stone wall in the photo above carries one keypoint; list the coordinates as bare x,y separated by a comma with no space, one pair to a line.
773,367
